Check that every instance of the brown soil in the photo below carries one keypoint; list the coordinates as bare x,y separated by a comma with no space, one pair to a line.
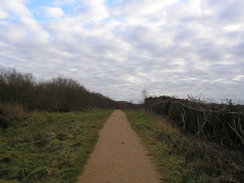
119,156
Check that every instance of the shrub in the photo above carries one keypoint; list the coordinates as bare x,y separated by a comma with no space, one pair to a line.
223,127
4,123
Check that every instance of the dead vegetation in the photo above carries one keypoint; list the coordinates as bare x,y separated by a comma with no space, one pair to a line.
13,110
225,127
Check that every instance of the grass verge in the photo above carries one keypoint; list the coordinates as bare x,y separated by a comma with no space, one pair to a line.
183,158
49,147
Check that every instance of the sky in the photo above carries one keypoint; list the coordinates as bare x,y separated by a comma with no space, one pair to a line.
121,47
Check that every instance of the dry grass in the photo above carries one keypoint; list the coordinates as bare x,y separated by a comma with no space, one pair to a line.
184,158
166,126
13,110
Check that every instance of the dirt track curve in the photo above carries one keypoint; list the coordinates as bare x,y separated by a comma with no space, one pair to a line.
119,156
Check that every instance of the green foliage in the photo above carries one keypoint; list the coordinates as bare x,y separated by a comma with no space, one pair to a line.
185,159
49,147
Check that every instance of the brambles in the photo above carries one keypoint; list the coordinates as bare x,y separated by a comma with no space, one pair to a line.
224,127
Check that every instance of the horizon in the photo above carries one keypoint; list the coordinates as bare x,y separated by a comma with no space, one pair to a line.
121,47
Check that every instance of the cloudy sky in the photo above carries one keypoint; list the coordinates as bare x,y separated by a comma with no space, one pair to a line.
120,47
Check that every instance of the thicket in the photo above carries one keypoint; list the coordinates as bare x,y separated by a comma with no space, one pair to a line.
221,123
56,95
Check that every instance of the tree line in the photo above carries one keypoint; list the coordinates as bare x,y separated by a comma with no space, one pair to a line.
55,95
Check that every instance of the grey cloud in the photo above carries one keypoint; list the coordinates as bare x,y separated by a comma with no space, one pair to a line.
171,55
232,12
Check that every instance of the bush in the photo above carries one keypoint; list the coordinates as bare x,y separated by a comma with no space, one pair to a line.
4,123
222,127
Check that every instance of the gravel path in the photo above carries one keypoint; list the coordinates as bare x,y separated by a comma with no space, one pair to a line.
119,156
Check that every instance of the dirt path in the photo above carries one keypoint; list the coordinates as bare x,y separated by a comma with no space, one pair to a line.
119,156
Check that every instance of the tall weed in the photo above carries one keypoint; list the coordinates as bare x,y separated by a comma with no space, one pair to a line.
13,110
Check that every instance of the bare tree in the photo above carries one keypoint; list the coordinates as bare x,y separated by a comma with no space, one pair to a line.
58,94
144,95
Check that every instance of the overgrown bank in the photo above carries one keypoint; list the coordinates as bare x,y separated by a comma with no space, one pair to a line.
220,123
49,147
186,159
